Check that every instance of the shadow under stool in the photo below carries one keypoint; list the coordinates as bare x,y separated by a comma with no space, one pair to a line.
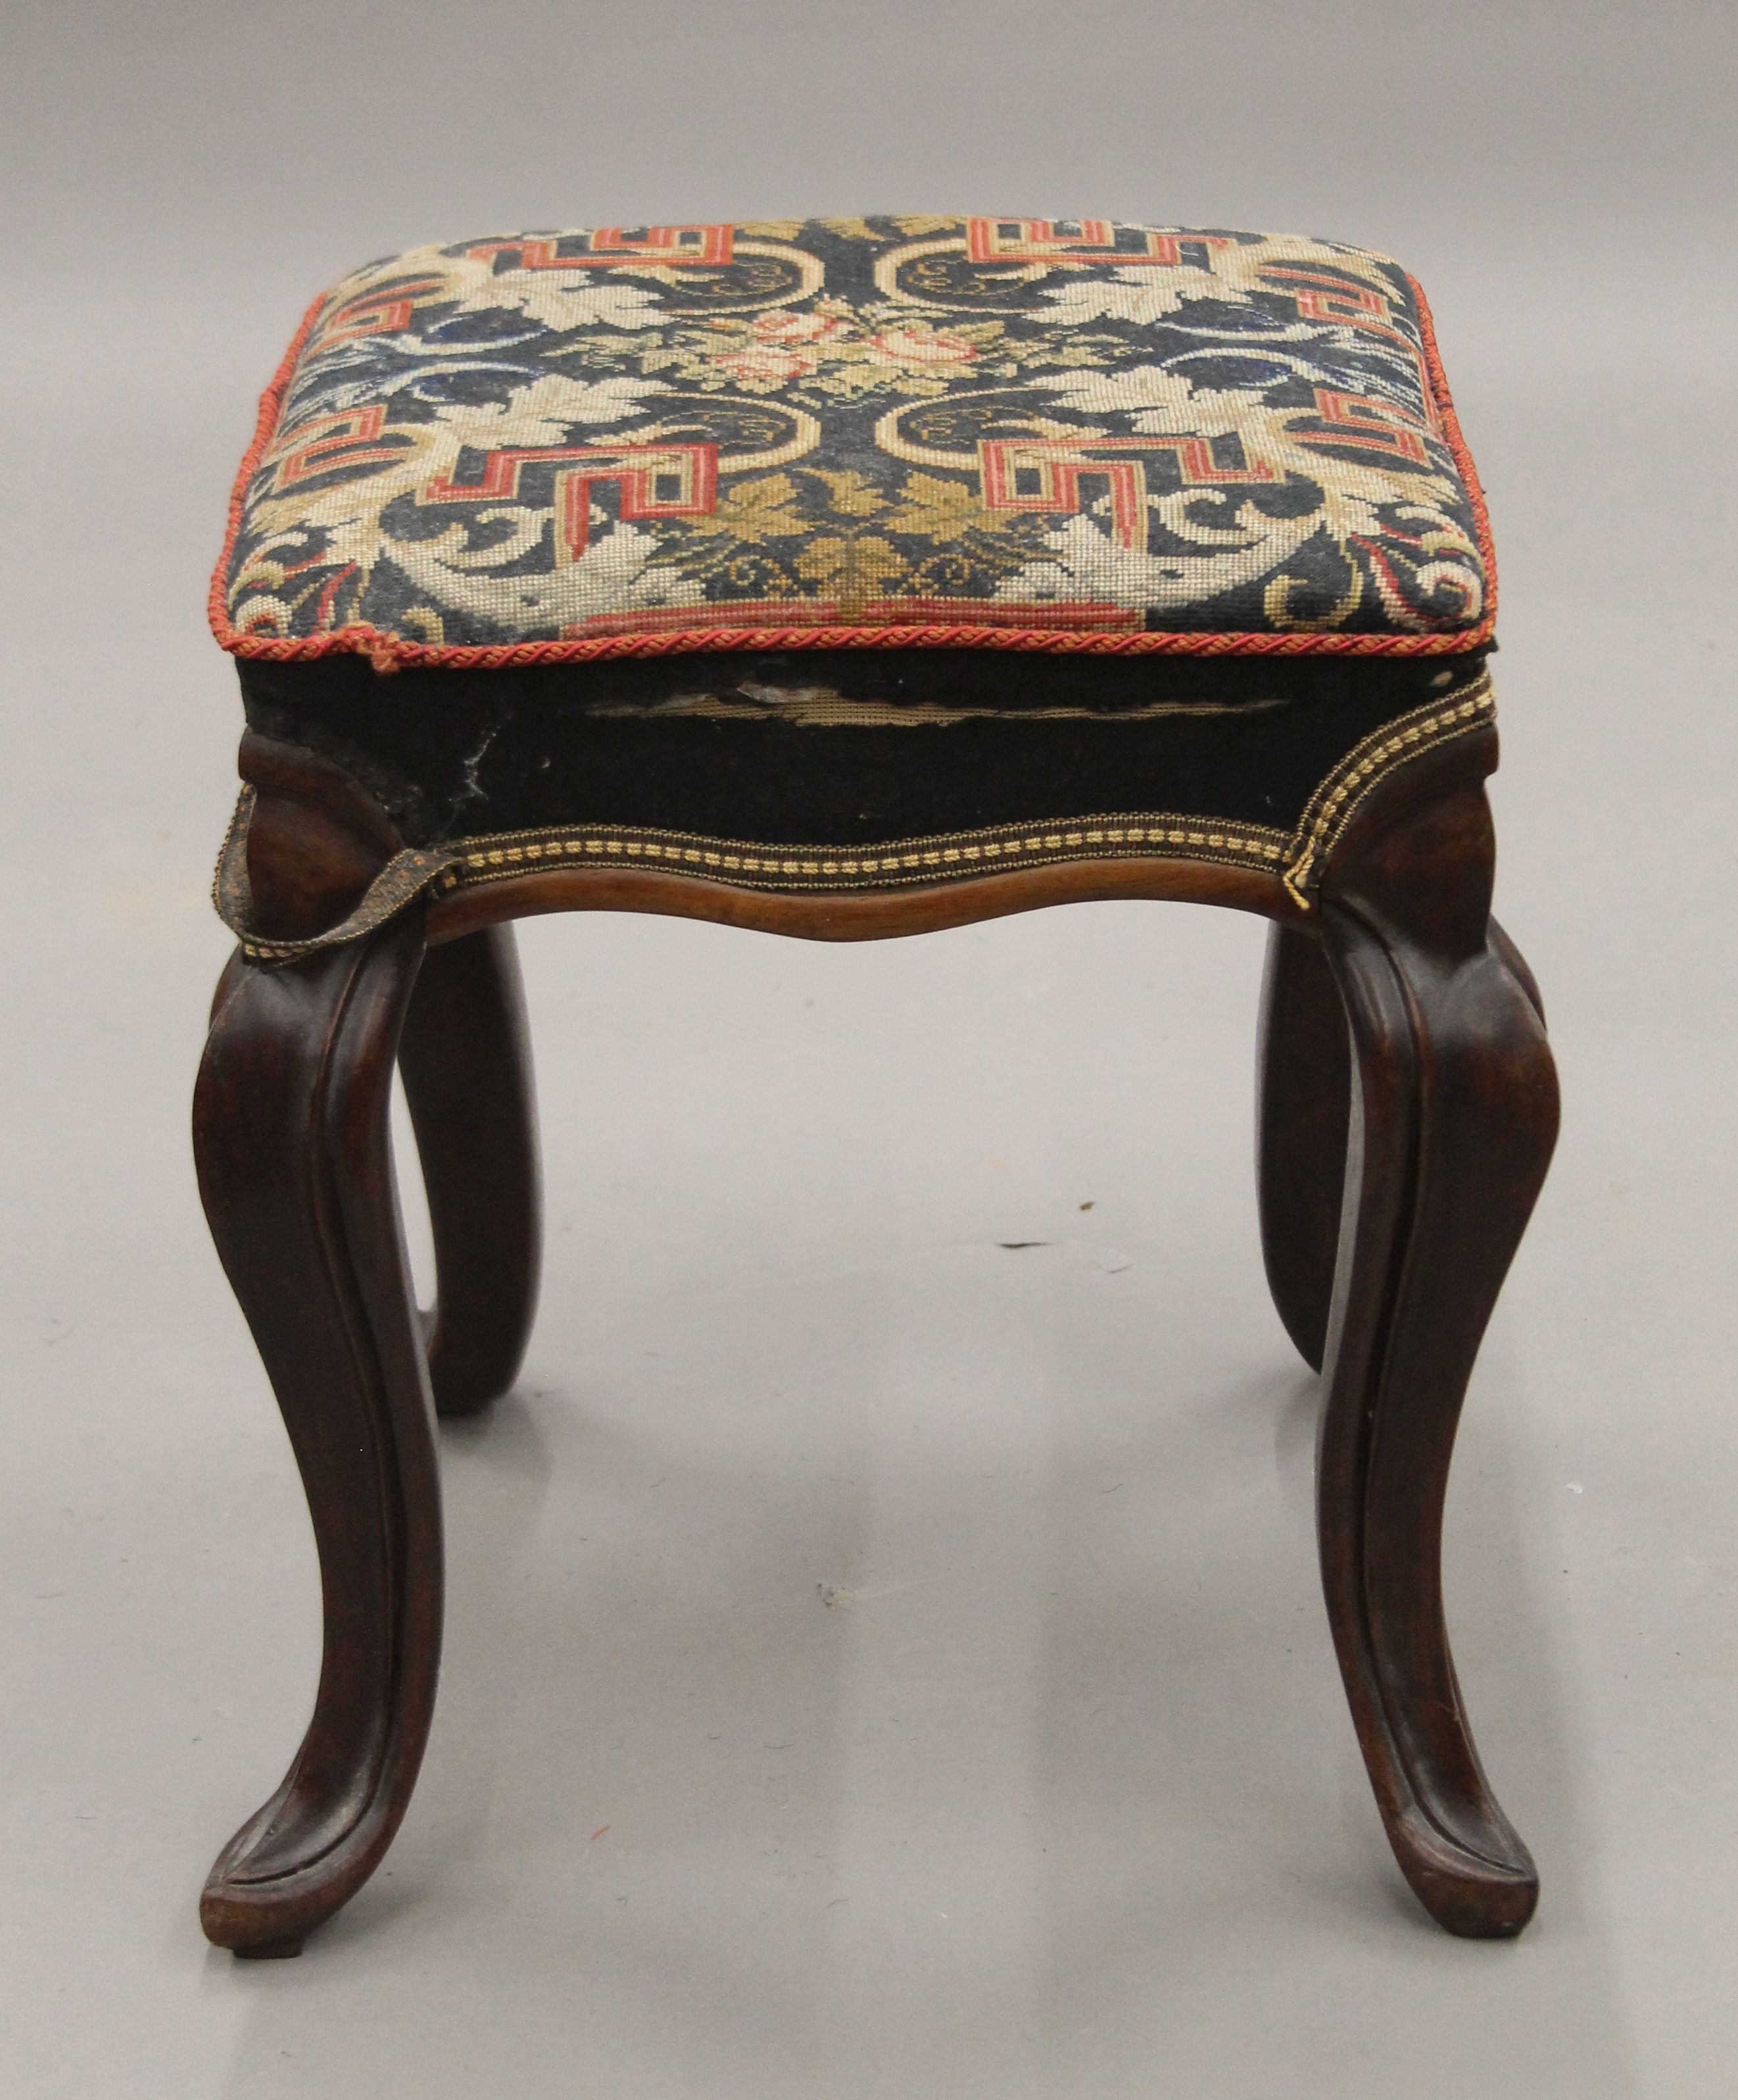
848,579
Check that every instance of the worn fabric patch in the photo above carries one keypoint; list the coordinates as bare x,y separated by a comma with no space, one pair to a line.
852,747
898,431
1295,854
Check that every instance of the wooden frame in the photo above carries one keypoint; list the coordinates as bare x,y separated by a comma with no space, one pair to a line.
1408,1111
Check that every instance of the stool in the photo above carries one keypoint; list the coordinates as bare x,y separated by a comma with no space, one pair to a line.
853,578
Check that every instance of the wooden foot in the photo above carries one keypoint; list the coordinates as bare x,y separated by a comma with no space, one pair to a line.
291,1134
465,1058
1452,1117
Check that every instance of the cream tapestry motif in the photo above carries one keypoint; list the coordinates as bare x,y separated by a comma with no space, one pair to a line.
1019,432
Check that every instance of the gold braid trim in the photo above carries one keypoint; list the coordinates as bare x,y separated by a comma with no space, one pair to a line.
1329,809
749,865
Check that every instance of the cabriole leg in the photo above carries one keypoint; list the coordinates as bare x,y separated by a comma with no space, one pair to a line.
1303,1101
1454,1114
291,1135
465,1058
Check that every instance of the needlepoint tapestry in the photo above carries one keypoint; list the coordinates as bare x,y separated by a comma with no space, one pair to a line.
1064,435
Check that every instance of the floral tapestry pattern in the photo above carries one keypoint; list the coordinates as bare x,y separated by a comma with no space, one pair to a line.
907,428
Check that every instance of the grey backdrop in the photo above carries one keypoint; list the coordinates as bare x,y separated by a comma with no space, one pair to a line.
879,1664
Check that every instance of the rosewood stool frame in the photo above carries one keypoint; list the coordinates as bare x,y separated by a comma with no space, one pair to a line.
1408,1107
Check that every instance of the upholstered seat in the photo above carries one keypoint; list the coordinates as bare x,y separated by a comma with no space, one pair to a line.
851,578
973,541
974,428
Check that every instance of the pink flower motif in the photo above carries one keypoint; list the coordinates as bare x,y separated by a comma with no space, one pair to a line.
797,328
920,347
768,364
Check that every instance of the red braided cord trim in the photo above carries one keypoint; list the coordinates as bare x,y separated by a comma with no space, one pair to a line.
391,652
270,403
1451,430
